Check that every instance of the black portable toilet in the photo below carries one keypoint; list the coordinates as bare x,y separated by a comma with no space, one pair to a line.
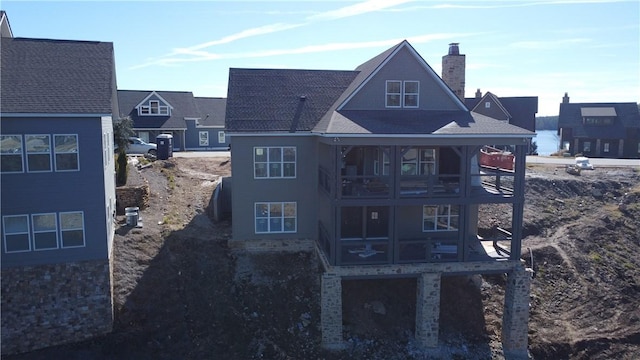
165,146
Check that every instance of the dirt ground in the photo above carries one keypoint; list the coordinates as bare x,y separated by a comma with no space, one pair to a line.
180,293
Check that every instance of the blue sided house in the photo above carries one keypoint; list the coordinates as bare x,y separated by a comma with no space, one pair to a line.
195,123
58,191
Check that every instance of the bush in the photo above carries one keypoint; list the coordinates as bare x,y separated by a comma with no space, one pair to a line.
121,169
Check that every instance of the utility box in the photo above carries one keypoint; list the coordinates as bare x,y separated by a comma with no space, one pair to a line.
164,143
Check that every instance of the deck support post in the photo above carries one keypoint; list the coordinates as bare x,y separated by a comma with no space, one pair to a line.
428,309
515,319
331,312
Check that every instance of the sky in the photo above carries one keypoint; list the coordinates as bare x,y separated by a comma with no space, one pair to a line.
589,49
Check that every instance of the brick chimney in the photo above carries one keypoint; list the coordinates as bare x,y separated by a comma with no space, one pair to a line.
565,98
453,68
478,94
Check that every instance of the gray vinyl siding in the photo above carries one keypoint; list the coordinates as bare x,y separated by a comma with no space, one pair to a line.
402,67
55,192
247,191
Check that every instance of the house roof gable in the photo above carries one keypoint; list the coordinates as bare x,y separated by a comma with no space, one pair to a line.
521,109
152,95
495,109
182,102
374,66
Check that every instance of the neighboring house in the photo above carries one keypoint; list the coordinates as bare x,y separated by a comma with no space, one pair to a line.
610,130
196,123
58,191
518,110
378,168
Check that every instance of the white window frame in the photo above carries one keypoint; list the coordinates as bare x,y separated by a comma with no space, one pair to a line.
441,216
388,94
21,153
203,140
402,94
6,233
221,137
35,232
76,153
153,108
28,153
405,93
606,147
266,165
144,135
266,212
63,229
419,161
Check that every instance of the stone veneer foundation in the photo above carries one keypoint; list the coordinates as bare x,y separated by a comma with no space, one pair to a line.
48,305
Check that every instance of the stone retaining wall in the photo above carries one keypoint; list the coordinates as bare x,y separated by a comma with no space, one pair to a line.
50,305
131,196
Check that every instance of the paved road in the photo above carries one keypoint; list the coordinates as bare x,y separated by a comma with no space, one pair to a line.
595,162
530,159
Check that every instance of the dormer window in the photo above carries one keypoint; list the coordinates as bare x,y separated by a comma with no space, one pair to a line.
402,94
598,116
153,108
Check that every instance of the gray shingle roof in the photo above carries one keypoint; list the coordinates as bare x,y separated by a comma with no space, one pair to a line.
282,99
211,110
419,122
522,109
56,76
182,102
627,117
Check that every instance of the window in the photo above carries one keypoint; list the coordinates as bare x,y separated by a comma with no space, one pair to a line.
153,108
586,147
487,105
386,164
597,120
606,147
275,217
38,153
11,153
204,138
16,233
221,137
274,162
440,218
45,231
66,150
411,91
402,94
144,135
72,229
419,161
393,93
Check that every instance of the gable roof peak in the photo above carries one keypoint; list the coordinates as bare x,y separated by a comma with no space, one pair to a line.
152,94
